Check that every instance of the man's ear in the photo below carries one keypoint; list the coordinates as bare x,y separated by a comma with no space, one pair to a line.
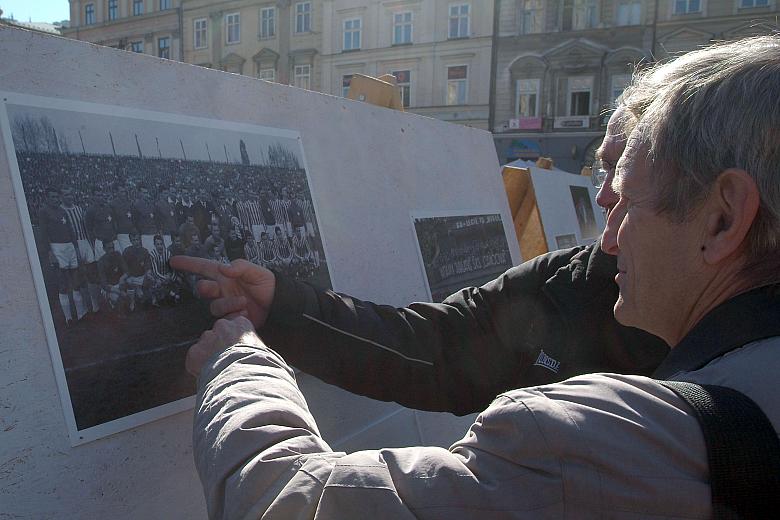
731,208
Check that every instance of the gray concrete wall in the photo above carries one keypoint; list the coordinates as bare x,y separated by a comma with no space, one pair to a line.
369,168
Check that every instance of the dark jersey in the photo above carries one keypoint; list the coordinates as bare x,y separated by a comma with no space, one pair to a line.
123,216
143,217
100,223
111,267
54,225
137,260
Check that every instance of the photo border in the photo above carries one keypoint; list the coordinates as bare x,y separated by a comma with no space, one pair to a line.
78,437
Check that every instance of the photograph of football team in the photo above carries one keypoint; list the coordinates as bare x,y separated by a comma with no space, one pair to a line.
110,199
461,251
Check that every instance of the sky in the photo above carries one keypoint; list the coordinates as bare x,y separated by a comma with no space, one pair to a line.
36,10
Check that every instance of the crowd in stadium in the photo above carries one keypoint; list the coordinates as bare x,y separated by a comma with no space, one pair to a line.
111,224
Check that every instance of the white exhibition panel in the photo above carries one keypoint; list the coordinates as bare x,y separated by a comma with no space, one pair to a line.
554,197
368,168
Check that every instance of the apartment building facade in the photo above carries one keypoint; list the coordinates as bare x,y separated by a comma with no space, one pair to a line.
560,64
438,50
143,26
540,74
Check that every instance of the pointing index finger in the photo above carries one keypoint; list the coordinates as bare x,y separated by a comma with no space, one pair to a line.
191,264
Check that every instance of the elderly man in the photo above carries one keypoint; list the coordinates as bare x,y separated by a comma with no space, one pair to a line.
540,322
696,233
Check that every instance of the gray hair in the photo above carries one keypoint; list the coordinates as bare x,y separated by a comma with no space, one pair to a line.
710,110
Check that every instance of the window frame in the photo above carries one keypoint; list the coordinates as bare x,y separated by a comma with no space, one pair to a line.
742,5
570,91
537,82
236,16
164,5
260,74
112,10
631,4
402,24
591,22
405,87
456,82
687,10
140,46
459,18
138,7
89,14
523,13
297,75
267,24
164,50
346,79
195,31
625,79
351,34
303,18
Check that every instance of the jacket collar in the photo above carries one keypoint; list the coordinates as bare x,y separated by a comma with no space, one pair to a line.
743,319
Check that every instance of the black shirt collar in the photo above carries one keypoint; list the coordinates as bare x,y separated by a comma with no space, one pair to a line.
743,319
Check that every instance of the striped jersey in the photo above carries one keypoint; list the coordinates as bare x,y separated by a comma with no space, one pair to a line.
267,251
161,267
77,220
279,208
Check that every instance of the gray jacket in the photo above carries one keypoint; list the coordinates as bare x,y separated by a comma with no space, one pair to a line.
594,446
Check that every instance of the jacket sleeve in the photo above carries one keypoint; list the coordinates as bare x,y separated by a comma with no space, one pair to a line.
455,356
593,445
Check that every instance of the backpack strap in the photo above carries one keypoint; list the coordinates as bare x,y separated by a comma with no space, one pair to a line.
743,450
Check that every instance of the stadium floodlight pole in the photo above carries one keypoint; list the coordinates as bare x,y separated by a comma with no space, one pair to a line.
82,143
184,154
227,159
111,137
159,153
138,145
208,152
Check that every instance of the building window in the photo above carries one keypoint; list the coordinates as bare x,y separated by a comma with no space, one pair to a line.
137,46
267,74
402,28
303,17
579,96
302,76
457,84
200,33
629,12
267,22
531,16
113,10
404,80
578,15
89,14
754,3
619,84
687,6
459,21
164,47
138,7
232,28
351,34
527,98
345,82
165,4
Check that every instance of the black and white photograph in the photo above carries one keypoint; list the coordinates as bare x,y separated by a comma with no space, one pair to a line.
108,196
583,207
461,251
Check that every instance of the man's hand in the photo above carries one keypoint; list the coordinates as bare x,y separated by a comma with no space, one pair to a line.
225,334
238,289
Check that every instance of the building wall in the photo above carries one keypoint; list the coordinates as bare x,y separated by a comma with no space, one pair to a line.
606,50
127,28
426,58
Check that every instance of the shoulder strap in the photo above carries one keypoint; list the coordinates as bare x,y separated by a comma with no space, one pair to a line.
743,450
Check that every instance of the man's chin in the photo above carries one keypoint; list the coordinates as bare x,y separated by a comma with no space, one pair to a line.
620,310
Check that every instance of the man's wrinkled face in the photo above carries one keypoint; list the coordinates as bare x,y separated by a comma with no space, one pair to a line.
609,153
657,258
